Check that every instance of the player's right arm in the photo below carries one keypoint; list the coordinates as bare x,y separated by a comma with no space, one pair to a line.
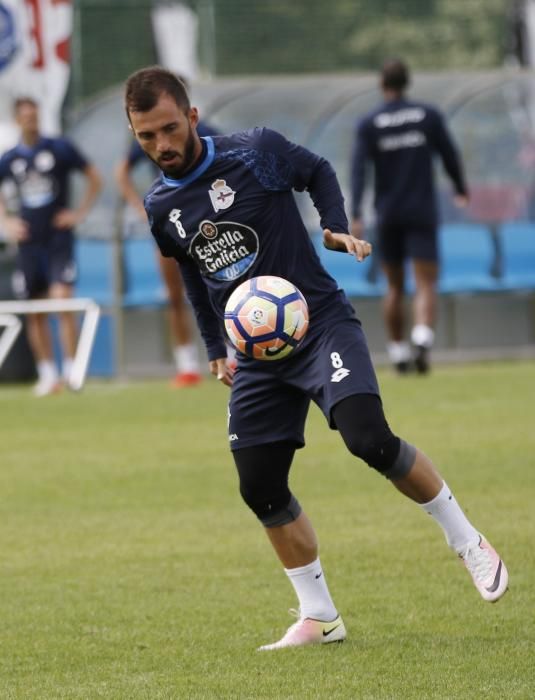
207,321
11,226
14,228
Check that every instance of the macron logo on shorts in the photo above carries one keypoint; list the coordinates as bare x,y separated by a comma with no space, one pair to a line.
232,437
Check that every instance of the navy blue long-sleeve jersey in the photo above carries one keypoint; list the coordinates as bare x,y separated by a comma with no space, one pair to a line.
39,175
400,138
234,217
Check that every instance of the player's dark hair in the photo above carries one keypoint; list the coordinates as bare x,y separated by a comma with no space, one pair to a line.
395,75
22,101
145,87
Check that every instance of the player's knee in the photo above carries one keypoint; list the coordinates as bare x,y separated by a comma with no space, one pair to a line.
263,473
367,435
386,453
279,507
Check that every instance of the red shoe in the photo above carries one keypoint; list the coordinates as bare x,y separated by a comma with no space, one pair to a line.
183,379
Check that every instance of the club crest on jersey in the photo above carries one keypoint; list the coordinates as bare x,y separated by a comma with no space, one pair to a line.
18,166
44,161
221,195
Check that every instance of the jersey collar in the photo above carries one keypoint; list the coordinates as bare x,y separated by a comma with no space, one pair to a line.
205,163
26,150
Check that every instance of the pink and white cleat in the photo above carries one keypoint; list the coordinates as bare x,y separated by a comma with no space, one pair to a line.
308,631
487,570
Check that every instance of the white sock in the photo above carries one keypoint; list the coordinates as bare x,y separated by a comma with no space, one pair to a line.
422,335
66,368
457,528
186,358
311,589
47,371
398,351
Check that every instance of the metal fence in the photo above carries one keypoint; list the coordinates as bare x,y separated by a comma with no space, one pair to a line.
240,37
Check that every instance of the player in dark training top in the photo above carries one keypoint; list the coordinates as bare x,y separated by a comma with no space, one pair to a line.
400,139
38,219
224,209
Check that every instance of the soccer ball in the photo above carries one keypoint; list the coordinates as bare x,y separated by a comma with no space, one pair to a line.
266,318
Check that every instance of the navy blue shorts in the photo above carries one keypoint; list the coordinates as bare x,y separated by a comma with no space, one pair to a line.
39,266
398,242
270,400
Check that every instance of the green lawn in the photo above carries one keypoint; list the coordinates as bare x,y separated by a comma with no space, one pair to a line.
130,568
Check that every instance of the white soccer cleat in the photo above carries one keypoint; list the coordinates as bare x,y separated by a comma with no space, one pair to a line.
308,631
47,387
487,570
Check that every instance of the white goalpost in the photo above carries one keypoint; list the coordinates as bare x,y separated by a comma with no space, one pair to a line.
9,310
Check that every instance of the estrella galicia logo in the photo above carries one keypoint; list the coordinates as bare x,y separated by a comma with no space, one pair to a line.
224,250
8,38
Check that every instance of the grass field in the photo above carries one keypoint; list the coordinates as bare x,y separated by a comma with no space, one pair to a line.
131,569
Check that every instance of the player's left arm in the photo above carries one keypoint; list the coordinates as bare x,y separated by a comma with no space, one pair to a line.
317,176
346,243
360,158
450,158
68,218
300,169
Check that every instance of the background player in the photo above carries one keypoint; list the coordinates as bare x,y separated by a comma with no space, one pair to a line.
184,351
257,229
400,138
38,170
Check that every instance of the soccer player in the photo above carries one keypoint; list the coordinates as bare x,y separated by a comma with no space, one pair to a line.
36,171
185,351
225,210
400,138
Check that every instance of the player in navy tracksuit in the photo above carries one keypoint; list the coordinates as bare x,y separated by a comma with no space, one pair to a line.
400,138
225,210
35,173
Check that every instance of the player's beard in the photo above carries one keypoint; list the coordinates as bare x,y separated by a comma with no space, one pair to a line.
188,160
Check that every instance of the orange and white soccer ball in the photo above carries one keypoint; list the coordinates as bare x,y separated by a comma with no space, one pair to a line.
266,318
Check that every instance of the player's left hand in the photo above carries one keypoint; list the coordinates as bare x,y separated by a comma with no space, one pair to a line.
221,369
347,244
66,218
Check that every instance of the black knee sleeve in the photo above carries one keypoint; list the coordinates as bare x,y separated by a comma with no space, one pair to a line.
263,473
363,427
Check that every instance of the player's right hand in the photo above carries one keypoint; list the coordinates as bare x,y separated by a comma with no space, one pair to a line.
16,228
221,369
